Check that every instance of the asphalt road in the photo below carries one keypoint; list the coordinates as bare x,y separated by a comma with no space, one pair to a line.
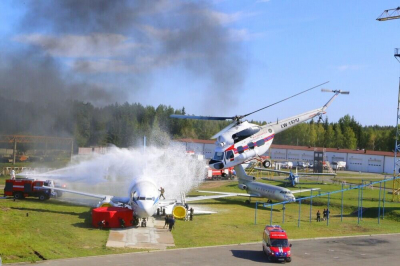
363,250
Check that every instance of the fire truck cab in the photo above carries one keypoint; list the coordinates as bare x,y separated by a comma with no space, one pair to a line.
275,244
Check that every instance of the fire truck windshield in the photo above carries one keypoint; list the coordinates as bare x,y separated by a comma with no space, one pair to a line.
279,243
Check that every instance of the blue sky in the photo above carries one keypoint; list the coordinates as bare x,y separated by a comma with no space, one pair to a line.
273,48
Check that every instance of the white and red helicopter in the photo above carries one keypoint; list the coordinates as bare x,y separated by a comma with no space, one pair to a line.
242,141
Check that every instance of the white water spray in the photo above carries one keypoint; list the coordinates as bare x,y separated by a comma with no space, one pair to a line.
114,172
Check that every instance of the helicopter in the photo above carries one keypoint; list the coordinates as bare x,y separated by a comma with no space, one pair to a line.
242,141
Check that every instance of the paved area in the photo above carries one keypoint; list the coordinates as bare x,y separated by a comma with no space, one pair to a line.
154,236
363,250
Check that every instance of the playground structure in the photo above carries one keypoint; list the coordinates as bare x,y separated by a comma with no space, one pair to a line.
360,209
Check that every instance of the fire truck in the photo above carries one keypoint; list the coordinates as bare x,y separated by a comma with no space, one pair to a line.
213,174
23,187
275,244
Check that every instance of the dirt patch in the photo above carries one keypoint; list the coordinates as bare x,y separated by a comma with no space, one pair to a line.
5,209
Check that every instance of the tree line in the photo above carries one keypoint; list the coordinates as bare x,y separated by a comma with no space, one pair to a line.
125,125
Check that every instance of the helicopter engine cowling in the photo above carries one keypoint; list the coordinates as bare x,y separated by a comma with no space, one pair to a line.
106,202
179,211
242,186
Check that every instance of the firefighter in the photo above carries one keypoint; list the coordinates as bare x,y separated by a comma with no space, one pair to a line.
12,174
161,192
166,221
101,224
122,222
191,214
171,223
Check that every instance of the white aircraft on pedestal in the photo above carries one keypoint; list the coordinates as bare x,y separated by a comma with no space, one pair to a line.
242,141
294,178
259,190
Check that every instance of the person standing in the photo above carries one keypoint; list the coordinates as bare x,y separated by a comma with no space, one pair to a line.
191,214
327,213
324,213
171,223
166,221
122,222
318,216
161,192
12,174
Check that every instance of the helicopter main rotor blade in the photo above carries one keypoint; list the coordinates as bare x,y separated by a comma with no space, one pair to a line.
240,117
224,130
201,117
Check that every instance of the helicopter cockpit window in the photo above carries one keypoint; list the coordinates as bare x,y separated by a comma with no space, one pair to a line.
241,135
260,142
240,149
251,145
219,156
229,155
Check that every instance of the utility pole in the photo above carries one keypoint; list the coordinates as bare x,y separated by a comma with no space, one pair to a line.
391,14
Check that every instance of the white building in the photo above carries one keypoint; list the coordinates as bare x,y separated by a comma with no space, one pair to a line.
356,160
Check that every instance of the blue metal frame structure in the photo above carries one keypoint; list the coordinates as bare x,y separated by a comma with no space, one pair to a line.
328,194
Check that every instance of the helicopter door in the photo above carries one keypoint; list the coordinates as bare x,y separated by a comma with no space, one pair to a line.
229,156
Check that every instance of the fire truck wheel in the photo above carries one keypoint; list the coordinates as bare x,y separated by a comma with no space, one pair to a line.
42,197
288,259
18,195
267,163
223,174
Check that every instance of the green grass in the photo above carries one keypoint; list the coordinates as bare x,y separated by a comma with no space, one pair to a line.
234,222
59,230
52,229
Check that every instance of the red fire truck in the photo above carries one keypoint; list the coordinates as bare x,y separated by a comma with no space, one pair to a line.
213,174
23,187
276,244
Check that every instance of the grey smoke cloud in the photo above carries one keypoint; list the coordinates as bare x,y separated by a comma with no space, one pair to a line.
32,76
136,37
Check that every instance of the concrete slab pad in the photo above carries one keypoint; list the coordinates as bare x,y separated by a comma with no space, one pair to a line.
154,236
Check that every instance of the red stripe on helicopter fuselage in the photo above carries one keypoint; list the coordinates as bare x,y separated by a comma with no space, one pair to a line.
270,137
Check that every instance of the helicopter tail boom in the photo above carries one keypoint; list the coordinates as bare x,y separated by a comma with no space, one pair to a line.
295,120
